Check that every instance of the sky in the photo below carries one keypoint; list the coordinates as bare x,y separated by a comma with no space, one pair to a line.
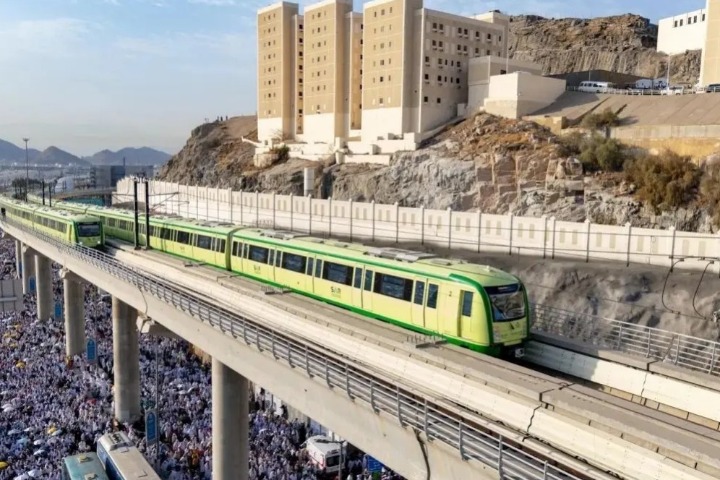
85,75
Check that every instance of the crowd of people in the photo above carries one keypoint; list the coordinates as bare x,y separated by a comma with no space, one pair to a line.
52,407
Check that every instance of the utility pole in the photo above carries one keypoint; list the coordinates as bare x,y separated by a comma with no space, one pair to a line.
135,208
27,168
43,194
147,214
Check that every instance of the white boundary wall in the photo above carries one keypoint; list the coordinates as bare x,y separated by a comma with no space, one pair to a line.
471,231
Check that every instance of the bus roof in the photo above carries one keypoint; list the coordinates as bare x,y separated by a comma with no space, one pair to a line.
128,459
85,466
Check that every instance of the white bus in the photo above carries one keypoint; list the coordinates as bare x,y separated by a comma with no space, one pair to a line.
122,461
325,453
595,87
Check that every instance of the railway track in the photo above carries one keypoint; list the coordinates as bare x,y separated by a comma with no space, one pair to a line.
581,428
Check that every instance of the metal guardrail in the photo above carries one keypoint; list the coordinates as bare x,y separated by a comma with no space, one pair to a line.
685,351
408,407
645,91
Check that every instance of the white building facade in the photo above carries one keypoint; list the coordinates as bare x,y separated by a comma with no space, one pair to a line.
682,32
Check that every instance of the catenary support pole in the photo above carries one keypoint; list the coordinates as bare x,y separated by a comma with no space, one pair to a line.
126,361
74,296
44,287
28,268
147,214
135,209
229,423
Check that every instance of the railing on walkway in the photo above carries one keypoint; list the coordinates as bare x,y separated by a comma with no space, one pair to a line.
408,407
645,91
689,352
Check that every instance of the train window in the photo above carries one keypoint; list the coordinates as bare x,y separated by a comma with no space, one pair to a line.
236,249
204,242
467,304
318,269
294,263
358,278
393,287
310,266
432,296
419,293
271,257
246,253
259,254
368,280
278,256
219,245
183,237
337,273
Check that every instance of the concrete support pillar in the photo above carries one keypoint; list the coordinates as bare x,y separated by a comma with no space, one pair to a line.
18,259
126,362
230,435
28,268
44,287
74,294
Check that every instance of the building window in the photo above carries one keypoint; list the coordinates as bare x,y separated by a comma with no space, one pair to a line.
434,25
439,101
426,99
703,17
459,31
427,77
676,24
380,101
381,79
681,23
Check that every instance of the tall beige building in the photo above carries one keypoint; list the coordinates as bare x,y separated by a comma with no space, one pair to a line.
397,69
710,72
276,71
415,64
325,40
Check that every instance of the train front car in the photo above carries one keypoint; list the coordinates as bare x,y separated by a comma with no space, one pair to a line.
89,232
509,315
495,318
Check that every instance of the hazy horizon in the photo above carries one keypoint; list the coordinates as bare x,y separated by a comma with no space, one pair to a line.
108,74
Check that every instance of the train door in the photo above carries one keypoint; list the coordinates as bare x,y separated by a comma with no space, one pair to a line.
367,293
418,305
273,260
432,307
465,313
310,272
450,316
357,291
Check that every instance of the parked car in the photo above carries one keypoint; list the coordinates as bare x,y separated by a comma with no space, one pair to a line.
595,87
713,88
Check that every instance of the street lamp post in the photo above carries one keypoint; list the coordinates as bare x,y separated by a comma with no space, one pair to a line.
27,169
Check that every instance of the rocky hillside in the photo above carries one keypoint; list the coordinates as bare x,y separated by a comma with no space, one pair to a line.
486,162
624,43
214,154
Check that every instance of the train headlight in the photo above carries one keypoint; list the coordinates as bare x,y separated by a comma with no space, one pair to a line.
497,335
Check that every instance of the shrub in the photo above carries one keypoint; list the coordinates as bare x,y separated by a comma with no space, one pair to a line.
598,121
602,154
665,181
710,190
282,152
570,145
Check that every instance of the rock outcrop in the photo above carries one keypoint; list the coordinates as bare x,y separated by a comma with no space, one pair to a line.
624,43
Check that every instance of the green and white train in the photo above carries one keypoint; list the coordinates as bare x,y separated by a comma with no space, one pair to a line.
73,227
472,305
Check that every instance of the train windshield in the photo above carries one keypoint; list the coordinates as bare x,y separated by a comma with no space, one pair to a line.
508,302
89,229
